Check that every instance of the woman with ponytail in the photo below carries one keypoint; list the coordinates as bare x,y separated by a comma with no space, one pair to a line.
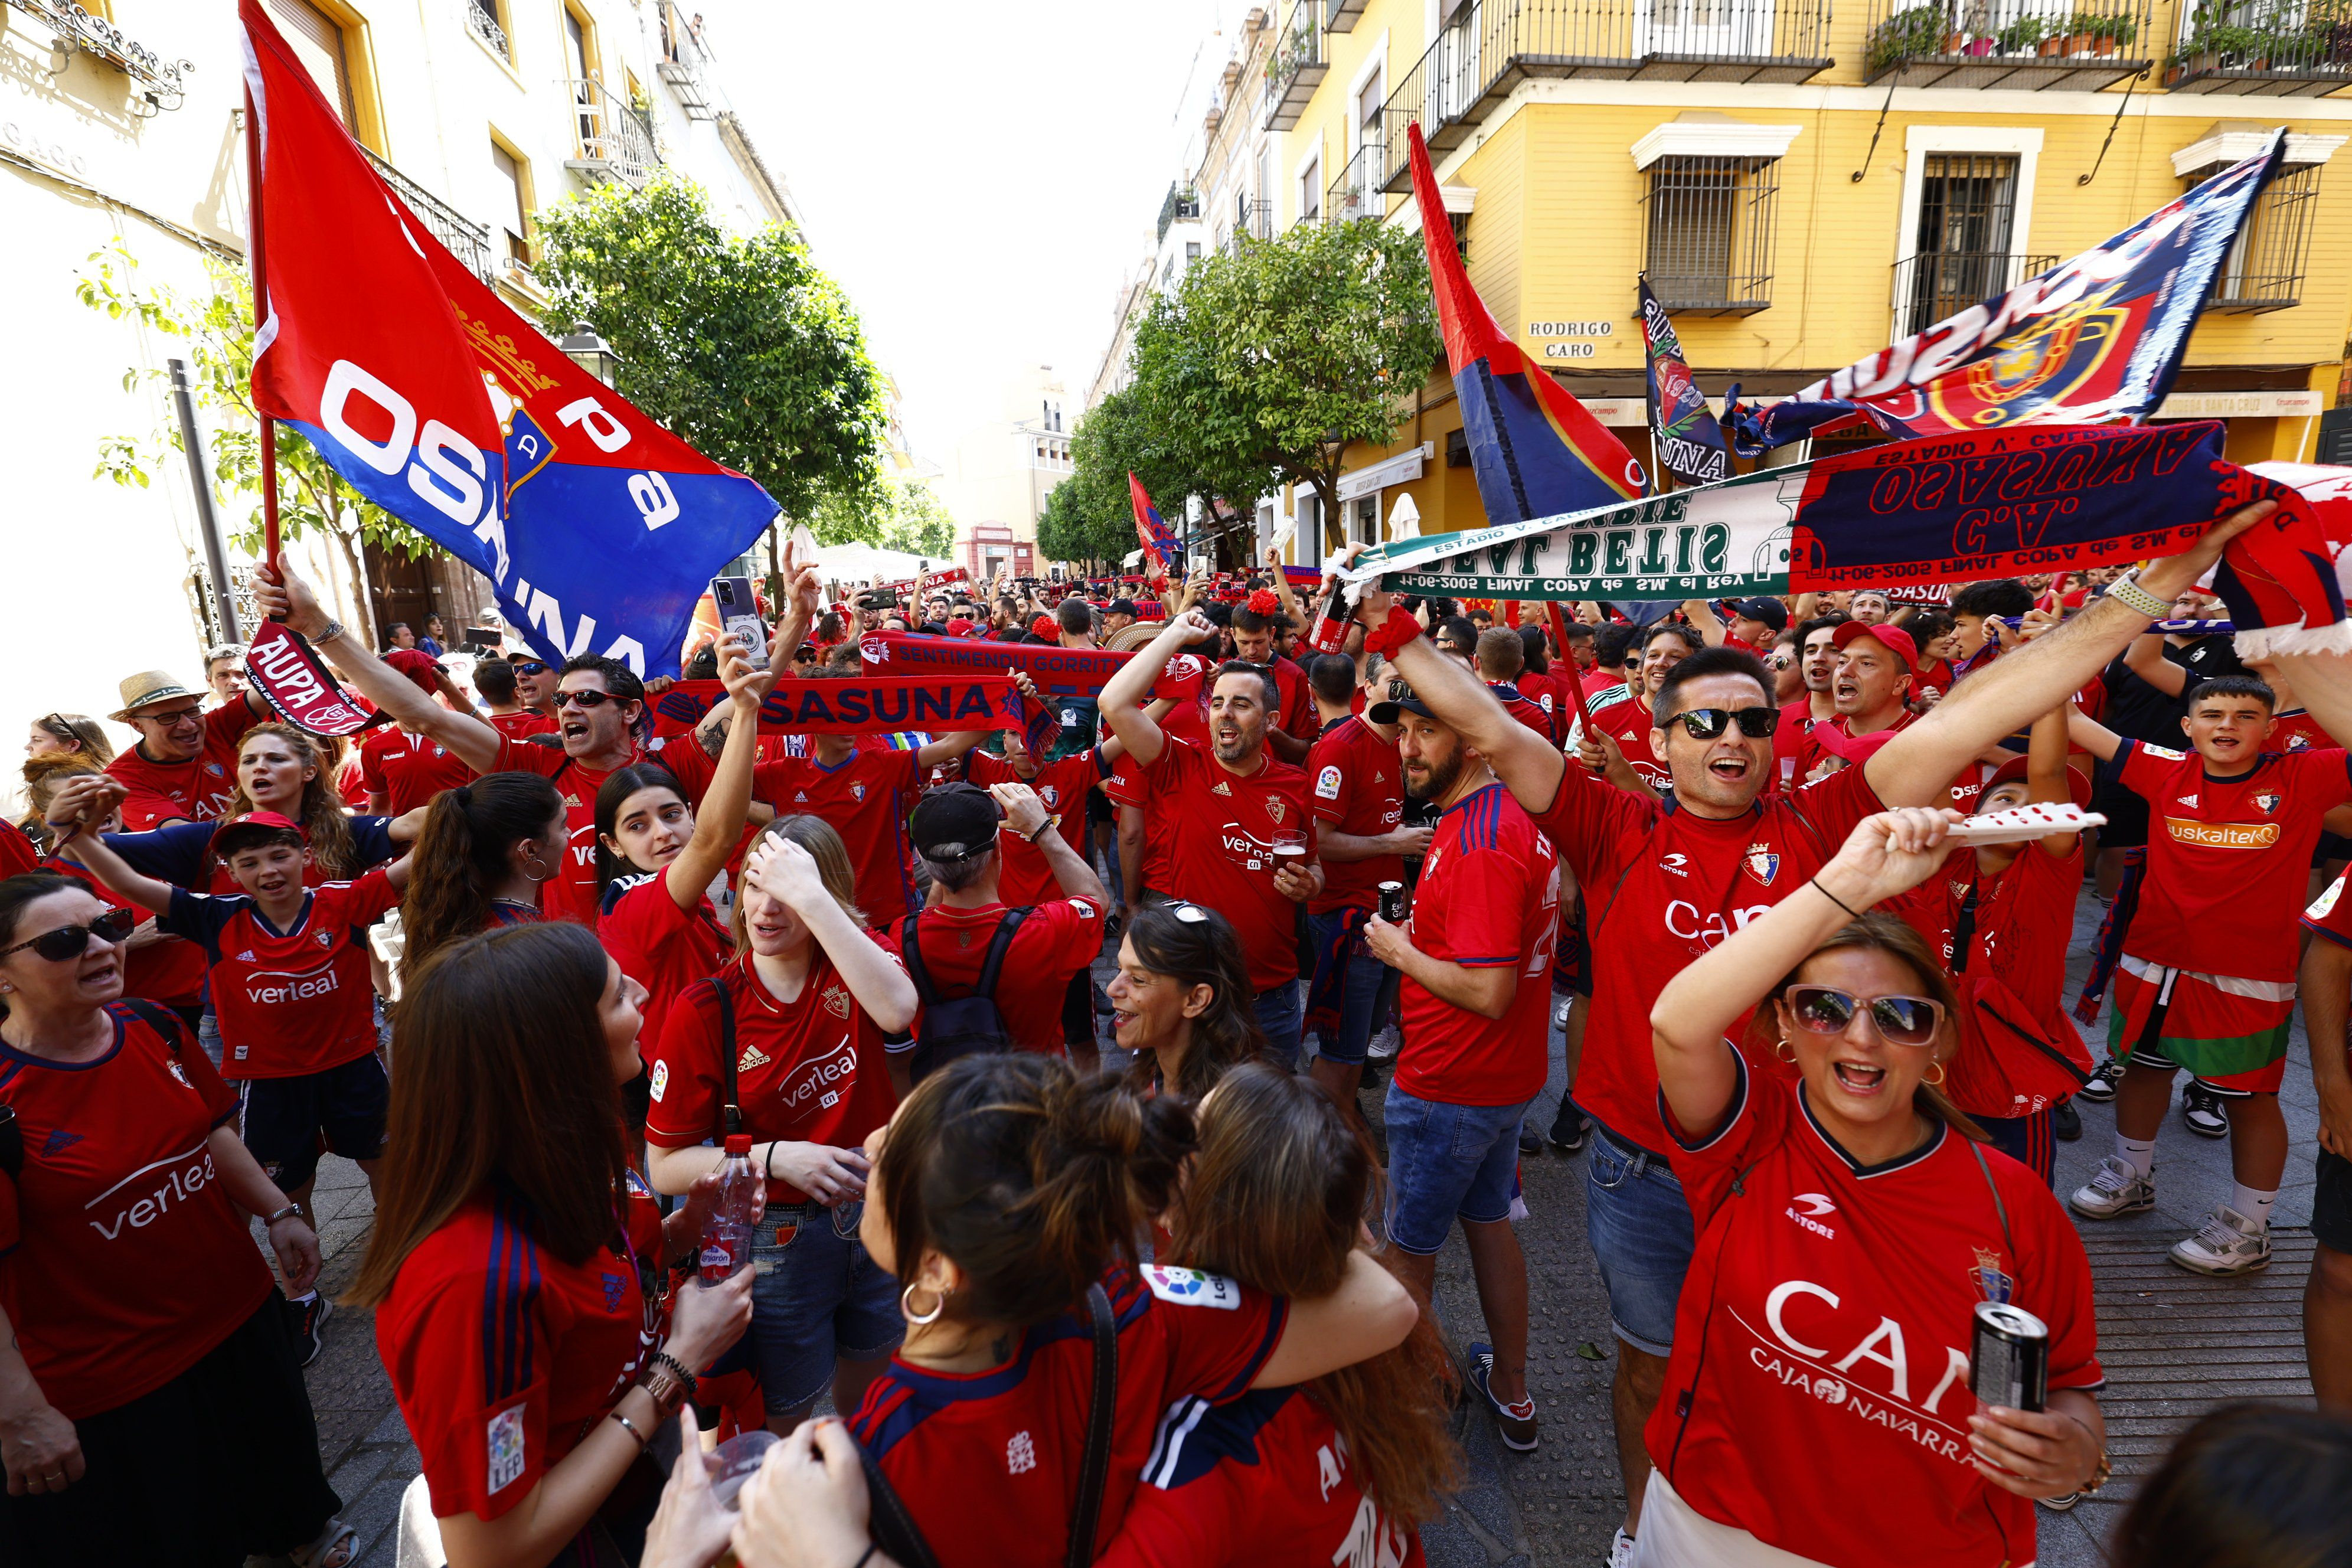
1852,1223
1004,1191
1181,1000
485,851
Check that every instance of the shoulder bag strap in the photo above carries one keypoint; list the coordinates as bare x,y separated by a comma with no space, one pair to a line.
163,1023
895,1531
1998,1207
1094,1471
731,1106
1964,926
998,946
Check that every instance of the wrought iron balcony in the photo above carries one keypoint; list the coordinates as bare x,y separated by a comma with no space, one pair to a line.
482,21
2264,50
1182,205
2265,269
74,30
1931,287
1492,45
685,62
1295,64
467,240
615,142
1343,15
1356,192
2031,44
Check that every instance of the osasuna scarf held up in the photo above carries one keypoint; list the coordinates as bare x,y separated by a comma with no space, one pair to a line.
938,704
1055,671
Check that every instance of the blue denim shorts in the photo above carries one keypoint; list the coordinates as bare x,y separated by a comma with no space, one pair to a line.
1639,1223
1360,994
1277,1014
1448,1162
818,1297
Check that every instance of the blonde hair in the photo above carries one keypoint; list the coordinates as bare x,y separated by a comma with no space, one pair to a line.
816,836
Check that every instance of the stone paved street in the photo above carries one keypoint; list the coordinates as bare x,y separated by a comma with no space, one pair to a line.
2174,1344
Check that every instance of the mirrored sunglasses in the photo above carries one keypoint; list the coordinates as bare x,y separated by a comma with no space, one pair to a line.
1899,1020
1707,723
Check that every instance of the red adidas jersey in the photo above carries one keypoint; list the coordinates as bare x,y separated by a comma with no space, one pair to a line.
1023,877
197,790
1522,707
866,799
810,1070
660,946
1545,691
1058,938
503,1356
571,896
122,1261
1297,715
1125,786
289,1003
1263,1479
1661,887
1220,849
1359,790
1628,722
407,771
1489,898
1818,1395
988,1462
2227,860
520,726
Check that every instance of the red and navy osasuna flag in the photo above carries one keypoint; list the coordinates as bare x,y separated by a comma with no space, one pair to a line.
1162,552
1684,436
937,703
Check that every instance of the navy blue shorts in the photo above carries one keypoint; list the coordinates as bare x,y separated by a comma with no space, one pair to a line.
281,1118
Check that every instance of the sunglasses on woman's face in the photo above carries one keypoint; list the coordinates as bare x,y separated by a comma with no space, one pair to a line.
1899,1020
112,928
1707,723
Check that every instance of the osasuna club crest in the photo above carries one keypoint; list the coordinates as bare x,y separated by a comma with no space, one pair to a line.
1761,862
1275,809
2269,801
836,1001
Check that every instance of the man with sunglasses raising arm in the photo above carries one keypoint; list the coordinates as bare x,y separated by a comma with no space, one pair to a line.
1667,880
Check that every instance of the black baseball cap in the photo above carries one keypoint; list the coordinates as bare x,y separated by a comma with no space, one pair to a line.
953,822
1402,700
1771,612
1120,607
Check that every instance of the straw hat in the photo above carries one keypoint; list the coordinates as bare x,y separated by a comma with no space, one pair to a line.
146,689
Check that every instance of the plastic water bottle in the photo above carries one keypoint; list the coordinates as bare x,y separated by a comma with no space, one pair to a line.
726,1235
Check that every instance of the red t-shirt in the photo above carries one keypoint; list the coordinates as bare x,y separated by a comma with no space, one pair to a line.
1058,938
1935,678
1220,849
2296,731
1263,1479
1818,1395
18,854
1628,722
988,1462
571,896
1522,707
810,1070
1809,752
2227,860
1357,789
1544,690
1297,715
1489,898
295,1001
1125,786
502,1355
198,789
122,1261
2025,919
1024,877
408,770
1596,681
660,946
866,799
520,726
1661,887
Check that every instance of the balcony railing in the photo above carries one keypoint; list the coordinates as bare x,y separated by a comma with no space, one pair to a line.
1492,45
685,62
482,21
2264,50
1931,287
2029,44
1356,192
74,30
615,142
1182,205
1343,15
1295,64
2264,270
467,240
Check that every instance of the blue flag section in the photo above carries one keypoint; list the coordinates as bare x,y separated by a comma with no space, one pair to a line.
1684,440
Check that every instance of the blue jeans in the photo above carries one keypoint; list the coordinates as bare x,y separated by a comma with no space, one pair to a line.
818,1297
1447,1162
1358,995
1639,1223
1277,1014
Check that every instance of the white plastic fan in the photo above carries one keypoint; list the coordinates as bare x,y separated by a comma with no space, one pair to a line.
2019,824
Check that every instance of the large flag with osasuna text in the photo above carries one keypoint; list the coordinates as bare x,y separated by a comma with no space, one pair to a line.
597,528
1684,440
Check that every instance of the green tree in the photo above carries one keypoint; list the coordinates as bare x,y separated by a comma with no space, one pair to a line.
216,332
1269,362
919,523
739,345
1090,516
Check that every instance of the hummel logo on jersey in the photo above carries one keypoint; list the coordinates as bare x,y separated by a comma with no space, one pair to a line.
2188,800
1020,1455
59,1139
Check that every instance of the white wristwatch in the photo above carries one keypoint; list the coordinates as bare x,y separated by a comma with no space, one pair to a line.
2127,590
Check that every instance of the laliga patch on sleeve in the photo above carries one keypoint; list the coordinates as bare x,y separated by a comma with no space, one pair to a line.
1327,783
2167,753
1086,911
661,1079
2325,906
1191,1288
506,1447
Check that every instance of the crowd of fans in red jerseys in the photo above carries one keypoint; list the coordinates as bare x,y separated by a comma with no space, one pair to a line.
1125,1271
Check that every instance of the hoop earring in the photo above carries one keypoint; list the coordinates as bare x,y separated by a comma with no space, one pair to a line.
1937,1082
921,1319
1785,1051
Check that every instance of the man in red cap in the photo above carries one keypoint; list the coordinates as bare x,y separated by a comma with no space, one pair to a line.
1871,680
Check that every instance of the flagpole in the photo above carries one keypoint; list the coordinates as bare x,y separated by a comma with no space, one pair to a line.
260,316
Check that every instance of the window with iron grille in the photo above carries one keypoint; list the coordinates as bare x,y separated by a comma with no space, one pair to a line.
1710,233
2264,270
1964,248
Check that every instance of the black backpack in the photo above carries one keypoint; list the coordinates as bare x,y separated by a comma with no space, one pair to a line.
958,1026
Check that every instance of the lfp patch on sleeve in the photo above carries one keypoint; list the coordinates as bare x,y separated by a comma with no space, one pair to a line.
1327,783
1191,1288
661,1080
506,1447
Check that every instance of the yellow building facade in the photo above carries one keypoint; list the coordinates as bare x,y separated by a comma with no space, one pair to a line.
1802,187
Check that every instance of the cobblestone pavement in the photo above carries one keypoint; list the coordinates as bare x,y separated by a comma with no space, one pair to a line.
2173,1343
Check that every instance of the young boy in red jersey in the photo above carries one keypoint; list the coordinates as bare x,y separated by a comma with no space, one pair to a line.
2229,842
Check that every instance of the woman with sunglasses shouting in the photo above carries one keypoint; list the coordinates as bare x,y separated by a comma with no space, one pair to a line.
151,1409
1818,1406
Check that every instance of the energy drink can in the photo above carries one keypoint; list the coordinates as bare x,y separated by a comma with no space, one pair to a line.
1392,901
2009,1358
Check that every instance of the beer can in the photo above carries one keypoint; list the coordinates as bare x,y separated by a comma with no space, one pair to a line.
1329,631
1392,901
2009,1357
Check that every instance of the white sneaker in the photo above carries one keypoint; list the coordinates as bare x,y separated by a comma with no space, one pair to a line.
1384,1044
1560,1012
2227,1243
2116,1187
1621,1551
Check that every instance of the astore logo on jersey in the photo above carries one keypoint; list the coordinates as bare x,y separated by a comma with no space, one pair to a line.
1673,865
150,1192
1807,1209
268,988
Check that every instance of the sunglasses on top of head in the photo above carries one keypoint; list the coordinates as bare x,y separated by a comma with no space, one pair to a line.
1898,1020
1707,723
114,928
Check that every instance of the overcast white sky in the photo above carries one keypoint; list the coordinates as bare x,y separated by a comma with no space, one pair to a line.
981,177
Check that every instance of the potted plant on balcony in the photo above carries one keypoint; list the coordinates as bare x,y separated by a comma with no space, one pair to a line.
2020,37
2215,44
1911,35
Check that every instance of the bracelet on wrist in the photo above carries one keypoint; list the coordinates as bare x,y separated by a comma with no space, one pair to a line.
1815,883
291,1211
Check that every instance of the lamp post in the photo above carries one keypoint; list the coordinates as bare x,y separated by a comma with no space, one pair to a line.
592,353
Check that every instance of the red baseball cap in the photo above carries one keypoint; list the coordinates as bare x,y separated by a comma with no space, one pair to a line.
2078,783
1890,636
417,665
253,822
